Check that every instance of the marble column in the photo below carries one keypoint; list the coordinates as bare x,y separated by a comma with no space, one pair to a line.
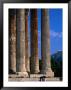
12,41
45,44
27,42
34,42
20,25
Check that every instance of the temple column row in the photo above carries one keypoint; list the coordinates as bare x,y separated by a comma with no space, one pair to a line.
22,64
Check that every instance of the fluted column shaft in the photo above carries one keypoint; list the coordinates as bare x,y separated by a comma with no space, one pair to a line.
12,41
45,44
20,16
34,42
27,42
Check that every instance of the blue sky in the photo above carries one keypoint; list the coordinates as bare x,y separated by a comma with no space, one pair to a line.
55,24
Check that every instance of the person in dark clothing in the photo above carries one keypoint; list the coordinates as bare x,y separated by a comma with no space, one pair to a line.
42,78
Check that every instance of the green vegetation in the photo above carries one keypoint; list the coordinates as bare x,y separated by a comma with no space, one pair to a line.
56,67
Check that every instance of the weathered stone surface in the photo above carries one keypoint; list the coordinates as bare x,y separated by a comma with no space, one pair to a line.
12,41
20,19
45,44
34,42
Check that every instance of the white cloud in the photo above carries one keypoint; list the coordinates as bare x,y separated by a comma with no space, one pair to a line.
56,34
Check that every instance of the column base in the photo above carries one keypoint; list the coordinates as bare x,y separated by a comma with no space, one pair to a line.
36,72
36,69
48,73
28,70
12,71
22,74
